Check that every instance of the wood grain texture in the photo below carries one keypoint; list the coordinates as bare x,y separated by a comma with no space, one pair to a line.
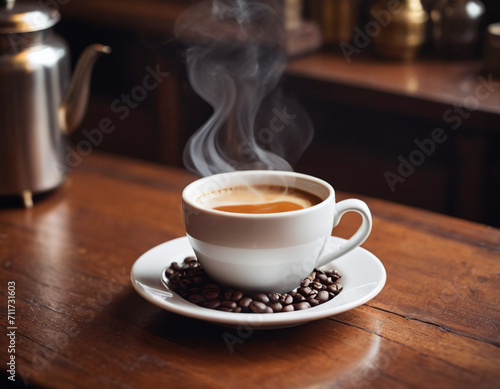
426,88
81,324
427,79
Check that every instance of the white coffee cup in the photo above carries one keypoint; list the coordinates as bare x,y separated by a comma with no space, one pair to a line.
270,252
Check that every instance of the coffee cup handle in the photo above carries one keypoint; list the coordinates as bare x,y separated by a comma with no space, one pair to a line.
350,205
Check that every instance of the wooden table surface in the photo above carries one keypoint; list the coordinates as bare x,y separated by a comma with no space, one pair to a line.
80,324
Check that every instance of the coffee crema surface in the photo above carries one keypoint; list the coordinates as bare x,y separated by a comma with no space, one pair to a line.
258,199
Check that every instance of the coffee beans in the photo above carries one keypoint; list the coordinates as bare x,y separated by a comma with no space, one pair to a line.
259,307
245,303
210,291
302,305
190,281
261,297
323,296
233,295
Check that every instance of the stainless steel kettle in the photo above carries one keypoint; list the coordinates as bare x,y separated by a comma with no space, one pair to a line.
39,104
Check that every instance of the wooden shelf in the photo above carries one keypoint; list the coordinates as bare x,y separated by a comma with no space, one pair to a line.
426,87
431,84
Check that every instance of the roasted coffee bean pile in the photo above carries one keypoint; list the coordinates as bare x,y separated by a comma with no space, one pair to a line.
190,281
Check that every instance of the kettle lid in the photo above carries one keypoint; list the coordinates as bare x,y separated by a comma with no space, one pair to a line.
22,17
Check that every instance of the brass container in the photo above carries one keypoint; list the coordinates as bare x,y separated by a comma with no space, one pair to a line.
398,29
292,14
455,28
492,50
336,18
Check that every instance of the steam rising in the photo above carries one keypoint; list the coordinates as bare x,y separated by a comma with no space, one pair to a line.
235,59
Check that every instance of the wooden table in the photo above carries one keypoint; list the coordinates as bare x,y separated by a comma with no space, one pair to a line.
80,324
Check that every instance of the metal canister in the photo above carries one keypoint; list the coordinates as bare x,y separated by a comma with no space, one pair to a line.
401,29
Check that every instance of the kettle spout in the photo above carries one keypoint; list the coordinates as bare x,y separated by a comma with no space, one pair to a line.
73,108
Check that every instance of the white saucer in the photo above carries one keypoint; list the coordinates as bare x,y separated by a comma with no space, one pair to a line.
363,277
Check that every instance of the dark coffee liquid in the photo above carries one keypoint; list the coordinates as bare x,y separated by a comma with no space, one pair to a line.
259,199
274,207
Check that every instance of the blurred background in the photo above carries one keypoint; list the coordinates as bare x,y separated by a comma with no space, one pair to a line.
377,82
